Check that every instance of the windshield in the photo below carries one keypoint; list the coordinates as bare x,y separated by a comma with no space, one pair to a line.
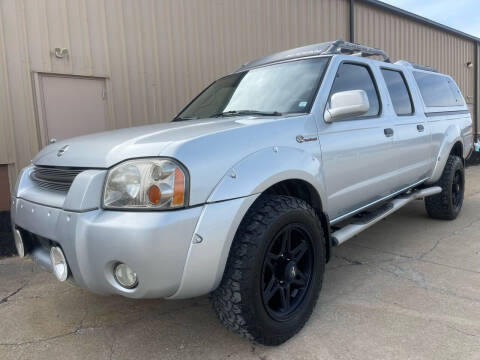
284,88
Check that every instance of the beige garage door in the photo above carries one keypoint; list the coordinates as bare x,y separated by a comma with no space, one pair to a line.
71,106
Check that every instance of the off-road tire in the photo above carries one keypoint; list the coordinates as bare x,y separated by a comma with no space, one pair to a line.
238,300
443,205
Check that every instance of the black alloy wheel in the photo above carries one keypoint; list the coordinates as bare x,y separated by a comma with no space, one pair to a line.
287,271
448,204
457,189
274,272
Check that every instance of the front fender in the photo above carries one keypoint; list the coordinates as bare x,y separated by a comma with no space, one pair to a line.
262,169
229,202
451,137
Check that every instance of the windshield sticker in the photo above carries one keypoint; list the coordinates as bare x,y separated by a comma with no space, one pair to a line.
302,104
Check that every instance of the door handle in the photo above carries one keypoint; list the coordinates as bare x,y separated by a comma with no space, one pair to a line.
388,132
420,128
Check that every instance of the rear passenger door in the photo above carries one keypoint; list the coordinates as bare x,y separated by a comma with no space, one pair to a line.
412,155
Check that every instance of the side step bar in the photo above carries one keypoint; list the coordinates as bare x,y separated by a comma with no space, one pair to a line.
364,222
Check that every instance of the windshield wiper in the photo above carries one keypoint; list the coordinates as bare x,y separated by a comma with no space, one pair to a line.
180,118
247,112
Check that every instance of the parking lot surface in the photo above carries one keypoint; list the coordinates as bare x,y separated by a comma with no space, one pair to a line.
409,287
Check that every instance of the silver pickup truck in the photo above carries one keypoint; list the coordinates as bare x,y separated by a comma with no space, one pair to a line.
244,193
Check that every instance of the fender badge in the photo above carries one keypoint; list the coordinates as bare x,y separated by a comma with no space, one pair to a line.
63,150
300,138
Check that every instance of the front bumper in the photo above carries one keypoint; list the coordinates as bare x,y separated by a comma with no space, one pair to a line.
158,245
154,244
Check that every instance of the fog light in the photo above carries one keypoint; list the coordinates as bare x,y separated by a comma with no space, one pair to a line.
60,267
19,243
125,276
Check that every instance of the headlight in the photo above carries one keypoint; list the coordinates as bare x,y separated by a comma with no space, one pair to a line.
146,184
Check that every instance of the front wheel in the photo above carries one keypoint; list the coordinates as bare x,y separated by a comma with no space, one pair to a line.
448,203
274,271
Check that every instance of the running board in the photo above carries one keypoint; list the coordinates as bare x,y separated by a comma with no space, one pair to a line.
371,218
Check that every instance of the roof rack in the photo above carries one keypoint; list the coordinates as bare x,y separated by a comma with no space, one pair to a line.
348,48
415,66
326,48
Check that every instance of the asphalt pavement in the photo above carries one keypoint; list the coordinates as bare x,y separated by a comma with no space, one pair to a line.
407,288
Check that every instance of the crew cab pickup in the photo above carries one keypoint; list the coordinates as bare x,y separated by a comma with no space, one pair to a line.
244,193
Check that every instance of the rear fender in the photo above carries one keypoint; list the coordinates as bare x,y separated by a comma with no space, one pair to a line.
451,137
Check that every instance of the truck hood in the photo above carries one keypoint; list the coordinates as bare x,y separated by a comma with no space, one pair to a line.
208,148
102,150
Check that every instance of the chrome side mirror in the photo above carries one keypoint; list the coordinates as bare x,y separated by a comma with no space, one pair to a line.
346,104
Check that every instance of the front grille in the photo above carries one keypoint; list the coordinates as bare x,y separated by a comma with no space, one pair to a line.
54,178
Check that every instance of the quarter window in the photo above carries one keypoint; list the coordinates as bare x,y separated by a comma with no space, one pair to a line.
438,90
398,90
357,77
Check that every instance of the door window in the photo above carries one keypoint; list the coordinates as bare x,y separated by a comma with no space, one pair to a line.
357,77
399,92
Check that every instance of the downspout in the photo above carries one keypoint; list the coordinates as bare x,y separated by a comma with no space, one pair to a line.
352,21
475,93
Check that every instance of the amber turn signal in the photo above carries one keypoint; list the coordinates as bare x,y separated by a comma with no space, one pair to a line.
154,194
178,188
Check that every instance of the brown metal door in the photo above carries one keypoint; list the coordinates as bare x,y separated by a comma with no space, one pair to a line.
72,106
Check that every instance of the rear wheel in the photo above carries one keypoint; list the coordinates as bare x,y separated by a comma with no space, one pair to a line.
274,272
448,203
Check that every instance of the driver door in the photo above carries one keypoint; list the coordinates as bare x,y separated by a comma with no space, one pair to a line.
357,151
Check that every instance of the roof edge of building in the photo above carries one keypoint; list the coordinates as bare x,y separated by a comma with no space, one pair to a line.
418,18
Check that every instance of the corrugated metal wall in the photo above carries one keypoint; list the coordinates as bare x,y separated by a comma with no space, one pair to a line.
157,54
405,39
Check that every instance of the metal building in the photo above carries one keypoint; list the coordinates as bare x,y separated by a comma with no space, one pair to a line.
70,67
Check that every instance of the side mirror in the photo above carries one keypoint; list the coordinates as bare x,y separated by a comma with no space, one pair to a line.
346,104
